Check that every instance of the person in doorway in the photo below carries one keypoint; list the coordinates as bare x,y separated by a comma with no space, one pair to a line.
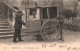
18,25
61,22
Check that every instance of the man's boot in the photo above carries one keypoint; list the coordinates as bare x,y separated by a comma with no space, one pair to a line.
19,37
14,39
61,37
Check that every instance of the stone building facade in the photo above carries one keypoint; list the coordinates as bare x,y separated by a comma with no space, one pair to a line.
62,4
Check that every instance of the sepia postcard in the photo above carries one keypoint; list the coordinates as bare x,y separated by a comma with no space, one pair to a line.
39,25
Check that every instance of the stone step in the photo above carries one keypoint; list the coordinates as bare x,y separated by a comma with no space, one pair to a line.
6,36
4,26
5,30
10,36
3,23
9,32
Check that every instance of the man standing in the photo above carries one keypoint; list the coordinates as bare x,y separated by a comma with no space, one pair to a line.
18,26
61,22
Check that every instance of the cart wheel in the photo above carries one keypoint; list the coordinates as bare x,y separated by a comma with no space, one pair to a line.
50,30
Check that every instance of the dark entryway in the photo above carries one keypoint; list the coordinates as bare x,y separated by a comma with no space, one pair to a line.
1,11
6,13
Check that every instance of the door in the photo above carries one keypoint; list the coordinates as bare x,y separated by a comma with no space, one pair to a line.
1,11
33,20
44,15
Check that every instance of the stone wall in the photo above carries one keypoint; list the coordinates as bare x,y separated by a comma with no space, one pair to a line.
69,4
66,4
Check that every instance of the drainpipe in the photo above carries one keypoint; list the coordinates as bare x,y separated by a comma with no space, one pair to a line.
8,13
25,11
3,9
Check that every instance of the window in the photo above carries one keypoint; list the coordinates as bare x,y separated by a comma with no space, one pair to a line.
32,11
52,12
33,14
44,13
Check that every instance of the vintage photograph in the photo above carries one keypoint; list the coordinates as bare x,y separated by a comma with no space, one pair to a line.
39,25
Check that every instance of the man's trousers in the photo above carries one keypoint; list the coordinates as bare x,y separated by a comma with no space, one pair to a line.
61,30
17,34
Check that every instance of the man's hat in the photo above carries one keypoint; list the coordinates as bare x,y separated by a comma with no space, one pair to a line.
20,12
15,7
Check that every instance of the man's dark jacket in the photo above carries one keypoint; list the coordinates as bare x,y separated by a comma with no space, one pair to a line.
18,22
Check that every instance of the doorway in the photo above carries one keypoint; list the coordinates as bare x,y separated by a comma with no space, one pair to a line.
1,11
